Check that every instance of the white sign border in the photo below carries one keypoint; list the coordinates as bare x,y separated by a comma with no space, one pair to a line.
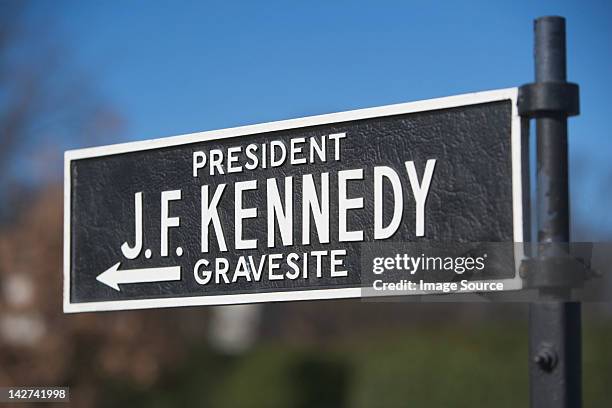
317,294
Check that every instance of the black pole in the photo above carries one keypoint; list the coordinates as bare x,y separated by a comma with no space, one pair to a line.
554,324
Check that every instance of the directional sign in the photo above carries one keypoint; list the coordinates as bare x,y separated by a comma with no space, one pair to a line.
289,210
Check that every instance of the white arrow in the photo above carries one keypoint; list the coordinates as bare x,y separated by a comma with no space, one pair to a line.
113,276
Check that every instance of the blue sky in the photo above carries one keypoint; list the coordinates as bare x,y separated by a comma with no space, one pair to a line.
178,67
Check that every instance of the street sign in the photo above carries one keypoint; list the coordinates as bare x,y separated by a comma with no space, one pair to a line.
284,210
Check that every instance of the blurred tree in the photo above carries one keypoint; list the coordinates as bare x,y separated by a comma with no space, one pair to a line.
46,105
39,345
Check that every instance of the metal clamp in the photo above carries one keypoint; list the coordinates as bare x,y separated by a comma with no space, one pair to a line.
555,272
546,98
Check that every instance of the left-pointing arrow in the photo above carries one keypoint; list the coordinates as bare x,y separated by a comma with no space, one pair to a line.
113,277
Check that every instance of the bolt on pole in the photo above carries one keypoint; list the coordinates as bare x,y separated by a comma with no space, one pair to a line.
554,323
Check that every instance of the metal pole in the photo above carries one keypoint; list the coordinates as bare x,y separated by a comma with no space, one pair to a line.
554,325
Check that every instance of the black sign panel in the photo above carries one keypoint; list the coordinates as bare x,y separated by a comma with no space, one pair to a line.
282,211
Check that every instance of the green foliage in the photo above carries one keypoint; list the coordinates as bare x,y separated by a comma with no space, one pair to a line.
597,366
283,378
458,366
